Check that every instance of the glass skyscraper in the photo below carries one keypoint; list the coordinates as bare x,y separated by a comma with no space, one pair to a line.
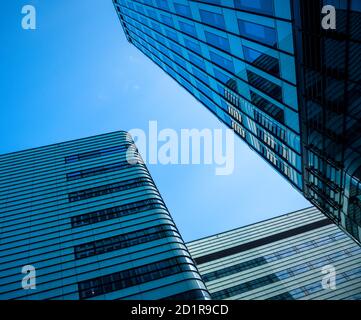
91,224
330,105
268,70
283,258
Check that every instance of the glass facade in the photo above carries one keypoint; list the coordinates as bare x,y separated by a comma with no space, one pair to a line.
243,60
330,91
280,259
92,225
239,64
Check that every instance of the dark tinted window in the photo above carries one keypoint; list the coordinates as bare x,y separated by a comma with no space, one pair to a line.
116,212
261,60
107,189
268,87
98,170
96,153
268,107
132,277
123,241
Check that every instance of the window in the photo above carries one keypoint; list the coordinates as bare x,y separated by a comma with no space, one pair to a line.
270,156
354,273
257,6
140,9
156,26
239,129
235,114
306,246
313,287
123,241
204,89
98,170
197,61
107,189
234,269
188,28
301,268
97,153
171,34
221,61
268,107
176,48
221,76
180,61
116,212
262,61
183,73
268,87
320,262
270,126
217,41
132,277
245,287
167,20
324,240
192,45
183,10
282,296
163,4
286,252
71,159
337,256
284,274
200,75
213,19
258,32
297,293
152,13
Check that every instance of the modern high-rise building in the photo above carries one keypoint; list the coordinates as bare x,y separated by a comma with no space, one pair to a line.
267,69
291,257
83,222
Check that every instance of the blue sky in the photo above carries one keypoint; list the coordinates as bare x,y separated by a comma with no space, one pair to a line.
77,76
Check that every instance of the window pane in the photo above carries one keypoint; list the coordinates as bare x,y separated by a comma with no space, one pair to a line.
258,32
217,41
212,18
258,6
188,28
225,63
261,60
183,10
264,85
